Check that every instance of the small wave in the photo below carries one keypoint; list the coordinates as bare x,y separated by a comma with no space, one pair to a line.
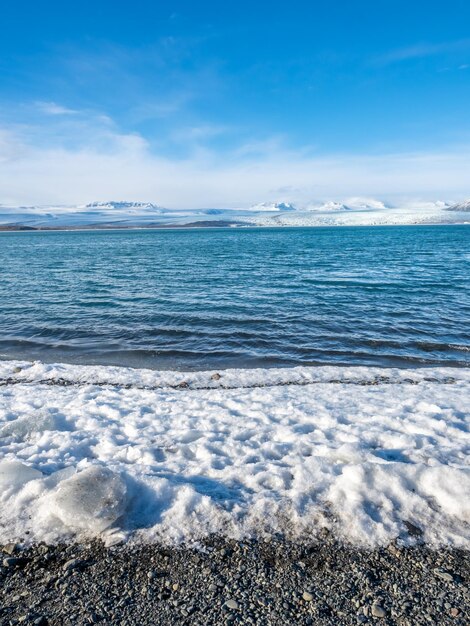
440,347
65,375
461,348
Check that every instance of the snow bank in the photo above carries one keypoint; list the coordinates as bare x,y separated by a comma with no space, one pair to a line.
175,456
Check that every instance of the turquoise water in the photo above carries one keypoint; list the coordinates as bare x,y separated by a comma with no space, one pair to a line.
194,299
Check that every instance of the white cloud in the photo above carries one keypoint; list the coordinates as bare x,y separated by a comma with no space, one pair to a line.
131,171
199,133
160,109
88,159
11,147
52,108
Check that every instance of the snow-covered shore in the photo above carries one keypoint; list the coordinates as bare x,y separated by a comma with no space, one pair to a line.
173,456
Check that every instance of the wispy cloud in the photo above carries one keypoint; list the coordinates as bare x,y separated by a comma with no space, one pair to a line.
161,107
199,133
422,50
11,147
52,108
155,80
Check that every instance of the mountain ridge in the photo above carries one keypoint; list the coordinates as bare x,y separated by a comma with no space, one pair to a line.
460,206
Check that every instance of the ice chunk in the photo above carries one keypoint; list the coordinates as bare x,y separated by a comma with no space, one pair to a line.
25,426
15,474
91,500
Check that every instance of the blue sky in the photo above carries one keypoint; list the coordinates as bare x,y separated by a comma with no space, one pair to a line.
209,103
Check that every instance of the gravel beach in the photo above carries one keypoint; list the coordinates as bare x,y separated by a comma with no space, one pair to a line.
228,582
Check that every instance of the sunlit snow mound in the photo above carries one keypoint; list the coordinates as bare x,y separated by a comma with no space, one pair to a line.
116,453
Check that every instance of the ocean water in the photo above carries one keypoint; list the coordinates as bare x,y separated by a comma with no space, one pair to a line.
216,298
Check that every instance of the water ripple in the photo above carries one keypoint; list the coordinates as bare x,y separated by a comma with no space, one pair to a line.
230,298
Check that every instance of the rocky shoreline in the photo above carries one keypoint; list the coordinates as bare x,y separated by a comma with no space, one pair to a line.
227,582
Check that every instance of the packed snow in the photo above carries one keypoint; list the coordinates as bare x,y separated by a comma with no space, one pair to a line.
355,211
142,455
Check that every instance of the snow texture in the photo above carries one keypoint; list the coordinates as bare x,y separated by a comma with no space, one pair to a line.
174,456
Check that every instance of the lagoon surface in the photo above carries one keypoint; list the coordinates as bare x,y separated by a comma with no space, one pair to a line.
215,298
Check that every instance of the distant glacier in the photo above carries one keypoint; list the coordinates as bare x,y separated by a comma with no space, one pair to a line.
123,214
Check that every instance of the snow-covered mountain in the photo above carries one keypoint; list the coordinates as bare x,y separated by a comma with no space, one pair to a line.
112,213
359,211
437,204
350,204
365,204
122,206
356,211
460,206
331,205
272,207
